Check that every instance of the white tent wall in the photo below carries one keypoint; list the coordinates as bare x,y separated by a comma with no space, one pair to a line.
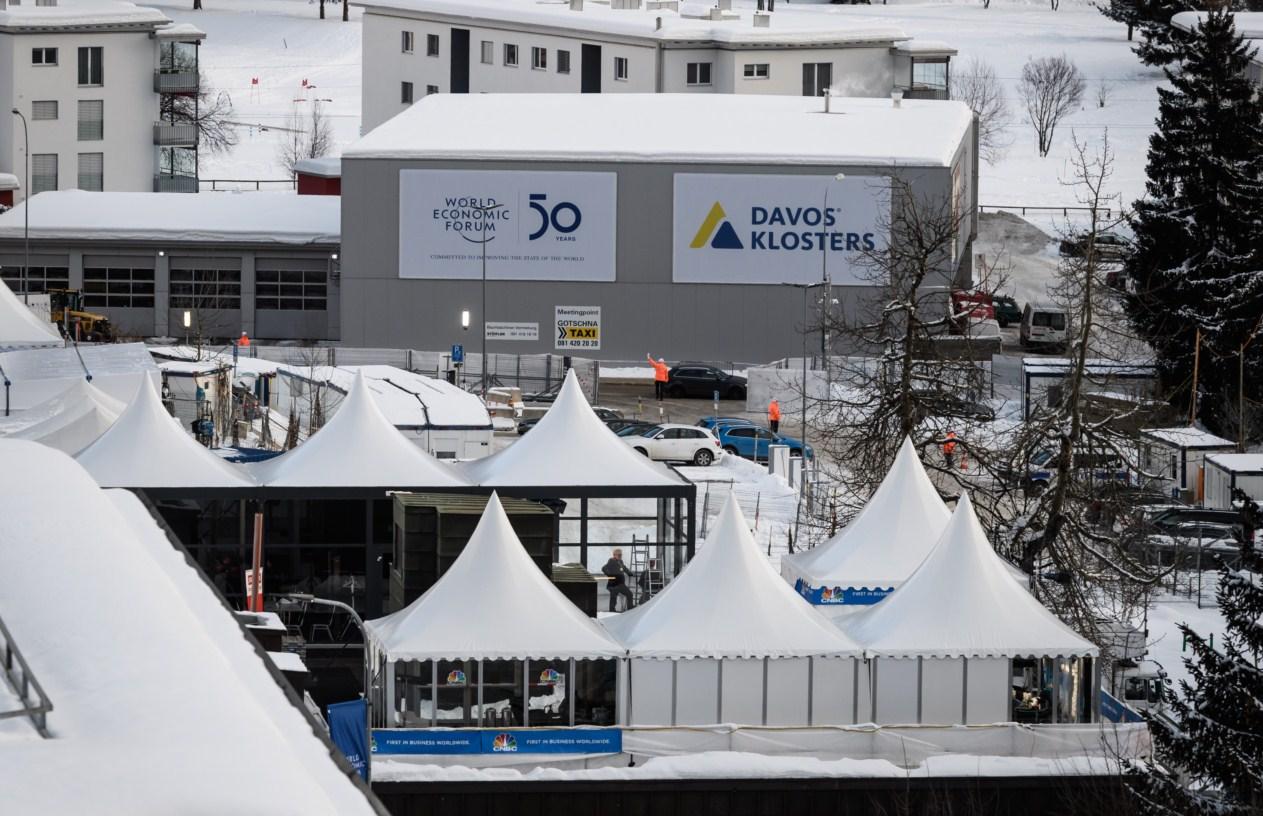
988,689
696,691
650,692
833,689
788,684
864,691
942,691
895,691
953,691
742,691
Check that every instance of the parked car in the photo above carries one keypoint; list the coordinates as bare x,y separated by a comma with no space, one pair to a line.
1100,468
701,380
677,443
634,427
1172,519
712,421
1044,325
1110,246
1007,312
751,441
607,416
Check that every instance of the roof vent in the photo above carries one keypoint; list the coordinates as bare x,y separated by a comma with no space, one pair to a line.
762,20
626,5
576,5
46,2
896,98
724,5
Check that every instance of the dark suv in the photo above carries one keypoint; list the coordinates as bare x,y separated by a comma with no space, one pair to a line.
701,380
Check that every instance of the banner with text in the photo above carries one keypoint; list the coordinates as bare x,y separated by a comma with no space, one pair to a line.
494,741
533,226
578,327
731,228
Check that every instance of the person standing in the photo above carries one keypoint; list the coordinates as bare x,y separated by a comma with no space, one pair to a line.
949,450
774,415
661,373
618,574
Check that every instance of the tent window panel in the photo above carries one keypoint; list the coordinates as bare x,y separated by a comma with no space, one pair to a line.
457,694
743,692
414,693
651,692
833,691
896,691
942,690
595,686
502,693
696,692
551,686
988,690
787,680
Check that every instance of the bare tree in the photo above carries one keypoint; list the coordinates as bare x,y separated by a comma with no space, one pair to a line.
1050,88
1103,92
976,85
211,111
305,137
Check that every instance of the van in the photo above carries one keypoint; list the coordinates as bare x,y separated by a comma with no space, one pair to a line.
1044,325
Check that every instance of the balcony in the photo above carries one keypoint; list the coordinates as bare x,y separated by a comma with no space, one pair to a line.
176,82
926,92
171,183
168,134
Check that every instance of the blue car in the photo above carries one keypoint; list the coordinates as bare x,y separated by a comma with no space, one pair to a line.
712,421
751,441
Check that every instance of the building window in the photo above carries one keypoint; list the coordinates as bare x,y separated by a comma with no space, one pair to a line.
43,56
698,73
756,70
408,42
40,278
209,289
92,172
91,67
431,89
563,62
305,291
488,52
817,78
91,120
539,59
931,76
43,172
117,286
510,55
405,93
45,110
431,45
620,68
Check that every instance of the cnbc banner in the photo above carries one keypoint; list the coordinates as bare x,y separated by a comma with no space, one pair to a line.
535,226
731,228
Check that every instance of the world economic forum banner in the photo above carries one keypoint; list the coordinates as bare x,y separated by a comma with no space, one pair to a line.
732,228
535,226
346,729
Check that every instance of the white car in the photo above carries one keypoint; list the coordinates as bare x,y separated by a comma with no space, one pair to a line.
677,443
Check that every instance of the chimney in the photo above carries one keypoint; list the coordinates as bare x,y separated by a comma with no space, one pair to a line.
828,97
725,5
761,19
716,13
657,24
896,98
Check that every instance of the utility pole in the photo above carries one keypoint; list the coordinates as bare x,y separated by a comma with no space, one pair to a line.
26,210
483,210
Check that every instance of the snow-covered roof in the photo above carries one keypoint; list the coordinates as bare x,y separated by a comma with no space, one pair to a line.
1060,366
1249,24
248,218
324,167
926,48
728,603
147,448
19,326
691,24
8,181
963,602
1187,437
569,447
666,128
39,374
80,14
142,662
358,447
493,603
70,421
1237,462
180,31
407,399
887,541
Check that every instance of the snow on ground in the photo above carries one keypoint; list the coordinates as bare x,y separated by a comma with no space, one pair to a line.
1166,642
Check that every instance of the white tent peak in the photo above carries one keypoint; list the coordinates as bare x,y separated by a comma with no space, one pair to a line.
357,447
889,538
493,603
728,603
69,421
146,447
570,446
20,327
964,602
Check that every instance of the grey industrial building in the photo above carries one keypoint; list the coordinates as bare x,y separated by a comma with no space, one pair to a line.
620,225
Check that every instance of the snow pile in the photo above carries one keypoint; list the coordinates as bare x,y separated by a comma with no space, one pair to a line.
1188,438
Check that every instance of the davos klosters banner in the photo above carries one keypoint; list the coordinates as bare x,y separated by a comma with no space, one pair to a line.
734,228
536,226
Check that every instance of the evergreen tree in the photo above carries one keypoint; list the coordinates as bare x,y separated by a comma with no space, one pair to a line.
1196,263
1160,42
1217,739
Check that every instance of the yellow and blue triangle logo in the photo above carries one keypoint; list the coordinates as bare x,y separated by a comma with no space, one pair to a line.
717,230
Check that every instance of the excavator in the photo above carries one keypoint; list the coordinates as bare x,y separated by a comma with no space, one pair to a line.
68,313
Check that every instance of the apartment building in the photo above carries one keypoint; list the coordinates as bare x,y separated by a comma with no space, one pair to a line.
413,48
105,90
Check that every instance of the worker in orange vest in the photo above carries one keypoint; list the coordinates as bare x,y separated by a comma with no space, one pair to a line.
660,376
949,449
774,415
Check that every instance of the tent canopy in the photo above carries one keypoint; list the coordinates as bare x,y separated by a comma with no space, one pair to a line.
69,421
570,447
728,603
492,604
19,326
964,602
147,448
357,448
889,538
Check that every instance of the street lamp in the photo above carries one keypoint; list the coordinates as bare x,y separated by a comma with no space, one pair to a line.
464,319
188,321
26,209
483,211
303,597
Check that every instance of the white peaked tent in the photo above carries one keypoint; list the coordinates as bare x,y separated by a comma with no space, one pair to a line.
881,547
71,420
729,641
20,327
945,639
147,448
357,448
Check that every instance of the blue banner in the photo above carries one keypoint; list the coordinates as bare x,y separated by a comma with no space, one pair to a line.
1116,710
829,596
348,731
497,741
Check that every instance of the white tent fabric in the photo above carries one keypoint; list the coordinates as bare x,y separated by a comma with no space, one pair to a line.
71,420
881,546
569,447
20,327
494,603
964,602
728,603
146,447
358,447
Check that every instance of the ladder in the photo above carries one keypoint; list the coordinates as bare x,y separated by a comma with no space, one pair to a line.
648,568
23,682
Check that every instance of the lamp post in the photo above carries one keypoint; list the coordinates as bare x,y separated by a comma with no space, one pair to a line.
302,597
26,208
483,211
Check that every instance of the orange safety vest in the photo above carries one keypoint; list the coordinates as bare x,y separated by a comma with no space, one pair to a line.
659,370
774,411
949,447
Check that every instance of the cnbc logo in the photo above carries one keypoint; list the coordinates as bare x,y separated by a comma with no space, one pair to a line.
716,231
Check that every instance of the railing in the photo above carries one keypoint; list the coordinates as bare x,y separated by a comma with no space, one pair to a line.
19,676
1103,212
168,134
234,185
172,183
176,82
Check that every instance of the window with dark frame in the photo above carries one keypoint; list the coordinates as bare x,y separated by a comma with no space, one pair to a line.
756,70
291,290
620,68
210,289
697,73
43,56
563,62
405,93
408,43
539,58
121,287
40,278
510,55
91,65
431,89
431,45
